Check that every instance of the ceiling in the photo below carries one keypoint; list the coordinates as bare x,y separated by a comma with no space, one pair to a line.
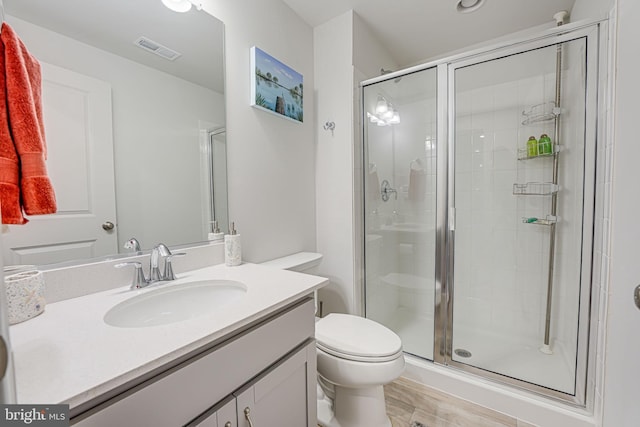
416,30
113,25
411,30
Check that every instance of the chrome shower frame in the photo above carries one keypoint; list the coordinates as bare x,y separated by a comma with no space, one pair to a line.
596,33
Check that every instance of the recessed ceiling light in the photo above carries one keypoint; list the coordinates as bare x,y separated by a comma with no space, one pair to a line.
466,6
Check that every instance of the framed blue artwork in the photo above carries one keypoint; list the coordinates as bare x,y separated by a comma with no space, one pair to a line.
275,87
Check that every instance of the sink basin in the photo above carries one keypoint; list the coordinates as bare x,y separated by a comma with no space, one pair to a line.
174,303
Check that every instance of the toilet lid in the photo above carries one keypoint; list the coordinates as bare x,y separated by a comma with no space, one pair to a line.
355,337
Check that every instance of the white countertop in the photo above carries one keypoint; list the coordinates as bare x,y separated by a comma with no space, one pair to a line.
69,355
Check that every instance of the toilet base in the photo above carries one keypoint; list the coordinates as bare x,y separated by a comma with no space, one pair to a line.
354,407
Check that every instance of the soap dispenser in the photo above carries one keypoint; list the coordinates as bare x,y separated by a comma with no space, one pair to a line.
232,247
216,235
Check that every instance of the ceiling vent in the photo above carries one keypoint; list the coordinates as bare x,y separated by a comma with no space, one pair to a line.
153,47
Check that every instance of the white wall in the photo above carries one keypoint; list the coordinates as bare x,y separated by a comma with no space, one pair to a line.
591,9
369,55
334,160
153,141
271,167
622,344
345,52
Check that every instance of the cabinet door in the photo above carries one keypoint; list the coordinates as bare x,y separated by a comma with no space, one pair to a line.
284,396
221,415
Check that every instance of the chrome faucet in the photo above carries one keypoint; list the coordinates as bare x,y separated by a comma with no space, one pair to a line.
157,253
139,280
133,244
168,269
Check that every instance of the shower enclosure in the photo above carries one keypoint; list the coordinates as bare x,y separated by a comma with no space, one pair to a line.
479,194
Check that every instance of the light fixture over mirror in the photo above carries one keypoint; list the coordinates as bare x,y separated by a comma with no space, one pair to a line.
181,5
151,129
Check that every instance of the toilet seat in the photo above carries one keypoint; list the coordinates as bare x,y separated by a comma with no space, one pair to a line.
354,358
356,338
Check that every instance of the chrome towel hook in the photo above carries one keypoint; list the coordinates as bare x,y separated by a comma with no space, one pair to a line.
329,126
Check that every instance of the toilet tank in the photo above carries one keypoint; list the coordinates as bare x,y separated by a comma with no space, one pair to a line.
303,262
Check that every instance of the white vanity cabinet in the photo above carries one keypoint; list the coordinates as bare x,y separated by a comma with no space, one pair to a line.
222,415
269,368
277,397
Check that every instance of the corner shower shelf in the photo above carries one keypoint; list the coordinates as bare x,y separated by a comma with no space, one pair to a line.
535,189
540,113
523,153
550,219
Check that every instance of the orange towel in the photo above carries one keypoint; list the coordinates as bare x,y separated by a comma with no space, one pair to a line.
24,184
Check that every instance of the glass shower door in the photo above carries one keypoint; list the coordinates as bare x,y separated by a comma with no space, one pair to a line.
400,207
523,172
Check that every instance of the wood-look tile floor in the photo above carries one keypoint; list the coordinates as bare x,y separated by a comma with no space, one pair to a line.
410,404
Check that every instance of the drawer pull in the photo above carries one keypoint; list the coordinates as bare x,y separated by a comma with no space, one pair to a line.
228,424
247,411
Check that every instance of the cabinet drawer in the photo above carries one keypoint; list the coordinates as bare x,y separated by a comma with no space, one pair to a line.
176,396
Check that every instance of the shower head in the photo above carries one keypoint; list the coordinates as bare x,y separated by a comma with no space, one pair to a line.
561,17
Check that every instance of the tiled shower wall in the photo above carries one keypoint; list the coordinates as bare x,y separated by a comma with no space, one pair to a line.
401,231
501,263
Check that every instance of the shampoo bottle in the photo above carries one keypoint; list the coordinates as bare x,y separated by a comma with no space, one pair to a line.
232,247
546,147
532,147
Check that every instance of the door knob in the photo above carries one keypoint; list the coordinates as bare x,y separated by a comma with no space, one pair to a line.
108,226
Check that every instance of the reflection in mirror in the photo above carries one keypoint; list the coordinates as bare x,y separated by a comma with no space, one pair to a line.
133,105
216,163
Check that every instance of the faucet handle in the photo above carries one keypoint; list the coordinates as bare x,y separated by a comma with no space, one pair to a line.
138,280
133,244
168,269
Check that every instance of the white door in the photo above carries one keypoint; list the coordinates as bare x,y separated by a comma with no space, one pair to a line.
77,117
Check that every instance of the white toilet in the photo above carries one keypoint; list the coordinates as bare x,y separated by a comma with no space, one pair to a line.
356,357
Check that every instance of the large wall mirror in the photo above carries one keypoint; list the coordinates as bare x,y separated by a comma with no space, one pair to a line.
134,111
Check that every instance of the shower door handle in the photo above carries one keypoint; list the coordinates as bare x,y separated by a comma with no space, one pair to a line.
452,219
